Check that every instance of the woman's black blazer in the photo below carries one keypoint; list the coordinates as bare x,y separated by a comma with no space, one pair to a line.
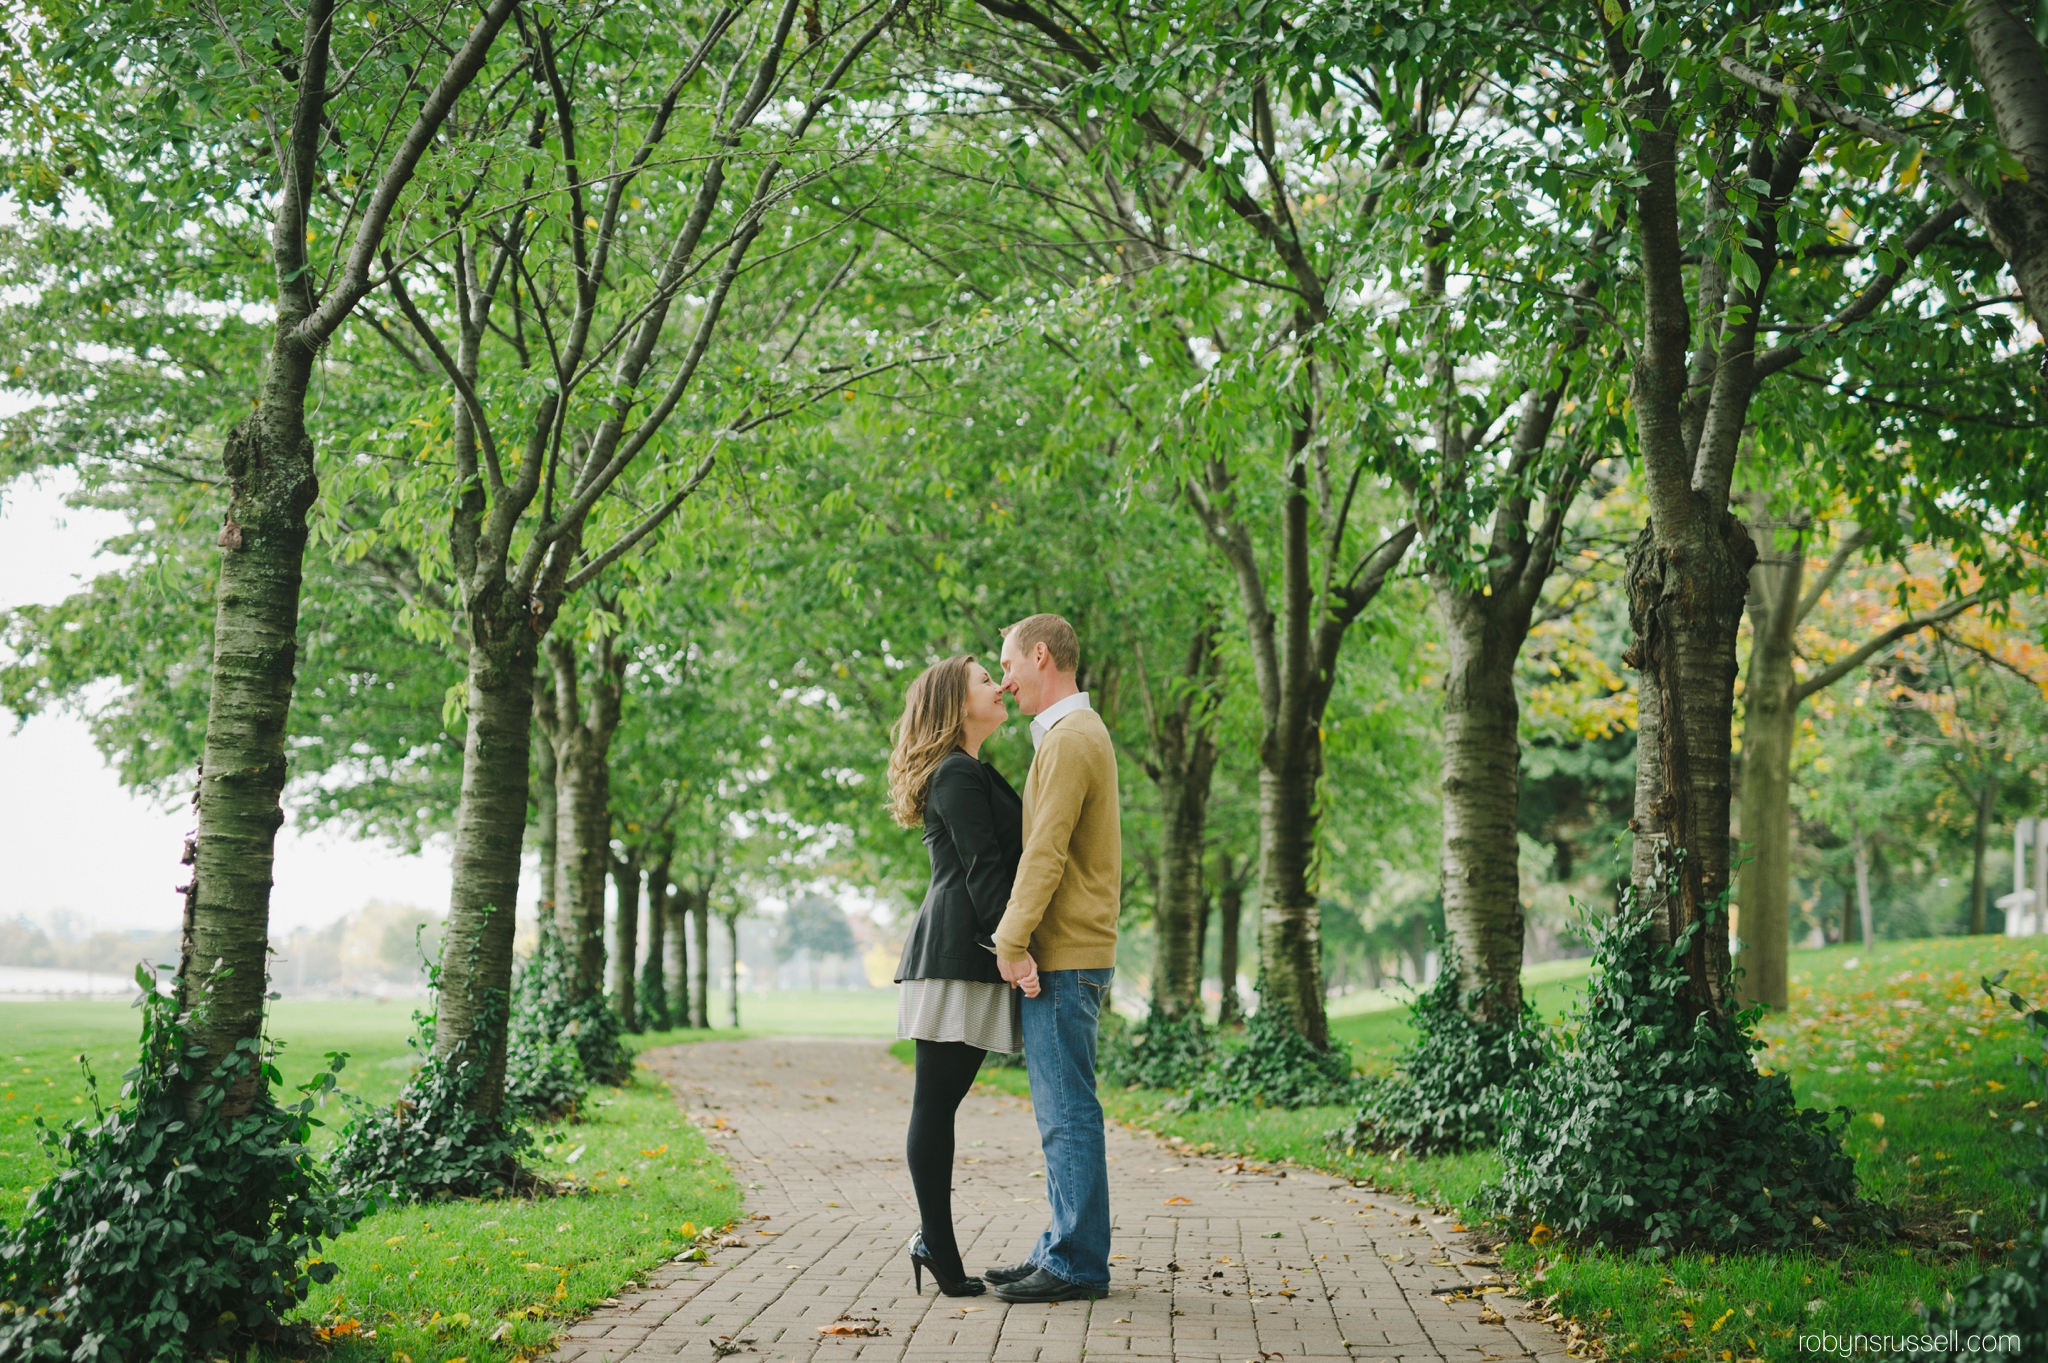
974,830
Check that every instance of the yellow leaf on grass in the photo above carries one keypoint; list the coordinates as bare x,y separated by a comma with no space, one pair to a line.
1540,1235
1877,1120
657,1150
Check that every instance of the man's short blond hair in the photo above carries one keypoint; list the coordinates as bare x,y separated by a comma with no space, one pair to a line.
1055,633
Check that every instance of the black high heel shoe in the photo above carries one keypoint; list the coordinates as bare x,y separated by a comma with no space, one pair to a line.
921,1261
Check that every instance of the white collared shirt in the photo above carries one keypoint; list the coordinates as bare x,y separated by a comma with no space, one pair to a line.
1042,723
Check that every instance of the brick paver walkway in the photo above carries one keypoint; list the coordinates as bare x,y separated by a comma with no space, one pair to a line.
1212,1262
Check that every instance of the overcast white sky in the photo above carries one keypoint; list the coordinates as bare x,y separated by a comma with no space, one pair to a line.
72,838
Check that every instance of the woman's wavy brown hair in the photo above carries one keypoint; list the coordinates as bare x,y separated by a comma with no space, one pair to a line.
929,730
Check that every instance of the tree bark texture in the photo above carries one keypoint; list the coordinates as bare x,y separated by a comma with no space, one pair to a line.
1693,382
1181,764
700,964
625,955
1230,878
654,991
586,719
1481,847
676,960
1294,655
490,824
224,961
1685,608
2009,63
1980,888
1769,723
732,981
1865,912
272,482
1486,612
546,810
1780,598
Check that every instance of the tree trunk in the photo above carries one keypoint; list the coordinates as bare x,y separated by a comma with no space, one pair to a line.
732,942
682,1006
1418,949
626,947
2009,63
1295,657
1184,800
490,824
543,801
1980,890
1229,912
1181,764
1864,910
223,967
1686,595
700,965
1482,766
654,992
1290,937
1770,718
583,793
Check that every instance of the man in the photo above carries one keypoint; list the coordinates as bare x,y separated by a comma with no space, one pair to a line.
1057,941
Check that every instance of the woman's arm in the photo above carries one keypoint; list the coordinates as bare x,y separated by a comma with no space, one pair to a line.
960,795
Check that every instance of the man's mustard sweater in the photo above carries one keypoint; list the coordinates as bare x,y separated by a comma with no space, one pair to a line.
1063,906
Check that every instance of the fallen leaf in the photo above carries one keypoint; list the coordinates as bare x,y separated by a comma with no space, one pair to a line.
866,1326
1540,1235
1178,1202
657,1150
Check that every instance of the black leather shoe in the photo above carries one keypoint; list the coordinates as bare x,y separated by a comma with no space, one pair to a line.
1015,1273
1043,1286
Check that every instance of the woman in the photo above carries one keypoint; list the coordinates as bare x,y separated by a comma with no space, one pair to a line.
953,1001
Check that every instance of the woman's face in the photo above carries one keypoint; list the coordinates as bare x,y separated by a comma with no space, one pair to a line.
984,711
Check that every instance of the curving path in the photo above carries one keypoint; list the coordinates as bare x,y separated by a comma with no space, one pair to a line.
1254,1264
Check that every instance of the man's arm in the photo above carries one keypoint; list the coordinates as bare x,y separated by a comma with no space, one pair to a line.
1058,787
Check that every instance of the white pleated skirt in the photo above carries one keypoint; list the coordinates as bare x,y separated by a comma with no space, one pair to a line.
981,1014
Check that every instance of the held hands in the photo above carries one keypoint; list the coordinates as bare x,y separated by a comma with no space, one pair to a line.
1023,974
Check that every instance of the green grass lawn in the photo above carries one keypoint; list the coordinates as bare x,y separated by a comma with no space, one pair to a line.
1900,1033
433,1282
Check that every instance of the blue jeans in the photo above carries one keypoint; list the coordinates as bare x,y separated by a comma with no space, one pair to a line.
1059,1054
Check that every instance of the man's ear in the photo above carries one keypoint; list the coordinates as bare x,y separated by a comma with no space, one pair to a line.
1041,656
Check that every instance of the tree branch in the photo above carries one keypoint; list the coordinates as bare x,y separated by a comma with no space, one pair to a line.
1843,666
355,278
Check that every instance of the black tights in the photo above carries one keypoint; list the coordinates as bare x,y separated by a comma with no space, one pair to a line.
945,1071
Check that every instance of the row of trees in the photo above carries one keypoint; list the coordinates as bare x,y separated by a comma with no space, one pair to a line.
583,418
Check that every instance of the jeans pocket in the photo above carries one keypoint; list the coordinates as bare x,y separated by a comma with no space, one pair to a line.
1098,982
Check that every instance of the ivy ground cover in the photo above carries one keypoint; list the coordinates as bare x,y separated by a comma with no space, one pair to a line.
485,1281
1900,1033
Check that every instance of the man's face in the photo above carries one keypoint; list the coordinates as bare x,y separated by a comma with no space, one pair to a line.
1024,674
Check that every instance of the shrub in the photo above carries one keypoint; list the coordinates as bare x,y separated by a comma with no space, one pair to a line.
2012,1299
653,998
437,1139
1164,1053
1274,1065
544,1074
1446,1090
1654,1126
544,1011
172,1228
